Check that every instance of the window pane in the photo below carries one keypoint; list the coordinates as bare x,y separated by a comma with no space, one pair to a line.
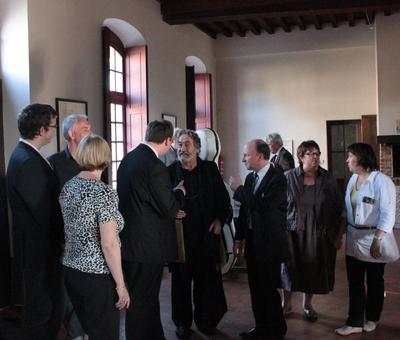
112,111
112,132
112,58
114,171
112,81
118,116
113,152
120,151
119,83
118,62
119,132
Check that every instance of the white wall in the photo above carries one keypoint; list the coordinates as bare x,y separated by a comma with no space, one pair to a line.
284,83
14,65
388,66
65,54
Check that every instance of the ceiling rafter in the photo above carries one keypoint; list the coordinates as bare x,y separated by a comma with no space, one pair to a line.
227,18
237,28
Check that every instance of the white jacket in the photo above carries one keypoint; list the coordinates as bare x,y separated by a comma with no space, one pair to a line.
376,206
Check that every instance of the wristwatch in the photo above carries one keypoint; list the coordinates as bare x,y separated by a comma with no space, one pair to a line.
377,238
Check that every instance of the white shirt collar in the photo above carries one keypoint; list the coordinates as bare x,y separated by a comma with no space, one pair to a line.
276,153
261,173
154,150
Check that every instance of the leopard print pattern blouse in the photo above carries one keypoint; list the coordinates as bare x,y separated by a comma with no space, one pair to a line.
85,205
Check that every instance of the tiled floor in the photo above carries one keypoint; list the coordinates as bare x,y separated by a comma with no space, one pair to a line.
332,310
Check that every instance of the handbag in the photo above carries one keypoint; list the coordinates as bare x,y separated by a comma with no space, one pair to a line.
362,244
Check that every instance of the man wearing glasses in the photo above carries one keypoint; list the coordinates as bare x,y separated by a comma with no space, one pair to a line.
37,228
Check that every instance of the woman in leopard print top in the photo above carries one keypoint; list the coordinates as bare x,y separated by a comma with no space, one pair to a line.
92,255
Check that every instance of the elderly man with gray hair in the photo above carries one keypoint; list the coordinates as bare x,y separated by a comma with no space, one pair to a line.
75,127
280,157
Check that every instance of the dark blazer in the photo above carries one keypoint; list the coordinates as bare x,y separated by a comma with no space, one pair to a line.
33,193
37,226
284,160
148,205
64,166
214,199
267,210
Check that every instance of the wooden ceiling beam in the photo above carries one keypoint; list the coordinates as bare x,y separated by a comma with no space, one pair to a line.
350,18
226,31
333,20
236,27
267,26
301,23
254,26
317,22
207,30
191,11
284,25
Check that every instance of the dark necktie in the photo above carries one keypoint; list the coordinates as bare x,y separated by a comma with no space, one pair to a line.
255,180
273,159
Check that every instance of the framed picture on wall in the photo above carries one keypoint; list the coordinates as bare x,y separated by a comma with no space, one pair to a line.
171,118
64,108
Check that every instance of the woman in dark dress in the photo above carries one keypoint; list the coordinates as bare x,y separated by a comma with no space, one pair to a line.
313,216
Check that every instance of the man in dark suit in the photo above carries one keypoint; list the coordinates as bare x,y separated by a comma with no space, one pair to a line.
148,205
261,223
280,157
37,226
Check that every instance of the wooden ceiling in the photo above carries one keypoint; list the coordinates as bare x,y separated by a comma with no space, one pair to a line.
238,17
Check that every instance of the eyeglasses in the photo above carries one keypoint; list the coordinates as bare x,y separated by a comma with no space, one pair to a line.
53,126
313,154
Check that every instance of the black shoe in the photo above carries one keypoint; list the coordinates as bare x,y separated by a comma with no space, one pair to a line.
253,332
183,332
310,314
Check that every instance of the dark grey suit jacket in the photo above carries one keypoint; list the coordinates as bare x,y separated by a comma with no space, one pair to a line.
284,160
148,205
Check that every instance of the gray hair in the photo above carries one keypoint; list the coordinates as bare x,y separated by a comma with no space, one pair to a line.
192,134
69,121
274,138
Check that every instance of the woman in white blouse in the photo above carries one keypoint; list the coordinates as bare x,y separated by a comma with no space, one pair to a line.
370,207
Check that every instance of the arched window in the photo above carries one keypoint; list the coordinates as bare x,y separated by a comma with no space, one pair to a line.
125,97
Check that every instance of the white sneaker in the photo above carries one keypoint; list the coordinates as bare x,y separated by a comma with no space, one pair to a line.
370,326
347,330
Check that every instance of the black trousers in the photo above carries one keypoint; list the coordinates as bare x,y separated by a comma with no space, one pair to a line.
208,292
93,297
364,305
263,280
43,302
143,320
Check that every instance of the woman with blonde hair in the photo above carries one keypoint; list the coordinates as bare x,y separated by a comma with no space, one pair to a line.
92,256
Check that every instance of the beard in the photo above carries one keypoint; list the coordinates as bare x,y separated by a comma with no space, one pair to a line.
186,158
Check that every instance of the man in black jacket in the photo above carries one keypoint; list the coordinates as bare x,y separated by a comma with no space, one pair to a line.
206,210
37,226
280,157
148,205
261,223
